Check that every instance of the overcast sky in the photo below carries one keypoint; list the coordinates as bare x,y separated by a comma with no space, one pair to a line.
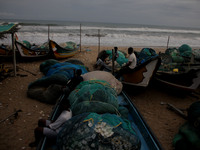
184,13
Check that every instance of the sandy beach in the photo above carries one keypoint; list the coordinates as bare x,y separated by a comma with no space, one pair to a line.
17,133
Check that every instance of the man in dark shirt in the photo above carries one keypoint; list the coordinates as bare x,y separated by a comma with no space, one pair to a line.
75,80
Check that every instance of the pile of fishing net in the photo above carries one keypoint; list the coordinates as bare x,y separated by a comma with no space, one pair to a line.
106,76
106,56
121,59
188,136
173,58
196,53
43,46
26,43
180,55
94,96
95,131
69,45
145,54
56,75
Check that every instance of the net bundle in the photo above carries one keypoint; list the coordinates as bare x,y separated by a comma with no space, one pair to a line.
56,73
48,88
94,96
95,131
145,55
121,59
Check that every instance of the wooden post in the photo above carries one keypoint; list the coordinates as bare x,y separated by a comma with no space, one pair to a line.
113,61
168,41
80,37
14,55
48,32
98,41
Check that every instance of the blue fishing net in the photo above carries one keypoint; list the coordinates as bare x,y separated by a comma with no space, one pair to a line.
145,54
65,68
56,73
95,131
46,65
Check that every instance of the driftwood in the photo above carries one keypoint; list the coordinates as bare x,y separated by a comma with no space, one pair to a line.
172,107
15,115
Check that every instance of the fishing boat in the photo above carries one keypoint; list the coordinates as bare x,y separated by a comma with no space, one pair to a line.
5,51
178,71
185,81
147,65
142,74
146,136
68,49
27,50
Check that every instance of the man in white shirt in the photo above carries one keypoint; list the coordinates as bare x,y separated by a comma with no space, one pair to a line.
130,65
51,129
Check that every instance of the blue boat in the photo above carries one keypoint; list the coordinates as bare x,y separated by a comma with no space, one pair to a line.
146,136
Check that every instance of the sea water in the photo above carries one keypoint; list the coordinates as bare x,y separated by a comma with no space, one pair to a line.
105,34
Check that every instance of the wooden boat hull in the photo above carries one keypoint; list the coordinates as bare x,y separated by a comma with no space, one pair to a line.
26,52
61,53
148,139
5,52
142,74
188,81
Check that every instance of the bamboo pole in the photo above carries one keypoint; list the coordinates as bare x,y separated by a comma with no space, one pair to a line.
113,61
80,37
168,41
14,55
48,32
98,41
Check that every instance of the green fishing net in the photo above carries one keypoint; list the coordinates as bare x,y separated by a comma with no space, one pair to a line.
68,45
121,58
185,50
94,131
44,46
188,136
94,96
26,43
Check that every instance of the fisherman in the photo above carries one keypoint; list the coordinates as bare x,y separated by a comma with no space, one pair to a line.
103,61
49,128
76,79
130,65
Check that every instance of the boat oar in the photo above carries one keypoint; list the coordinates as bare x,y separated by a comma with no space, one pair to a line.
15,114
172,107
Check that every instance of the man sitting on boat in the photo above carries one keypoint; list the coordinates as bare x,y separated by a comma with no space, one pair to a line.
130,65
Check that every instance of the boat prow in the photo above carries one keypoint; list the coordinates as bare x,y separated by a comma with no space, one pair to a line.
60,52
26,52
142,74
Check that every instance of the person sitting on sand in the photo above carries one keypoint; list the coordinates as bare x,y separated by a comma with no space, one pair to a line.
130,65
51,129
103,61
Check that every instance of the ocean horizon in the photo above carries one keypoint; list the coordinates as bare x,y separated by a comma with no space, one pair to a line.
108,34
